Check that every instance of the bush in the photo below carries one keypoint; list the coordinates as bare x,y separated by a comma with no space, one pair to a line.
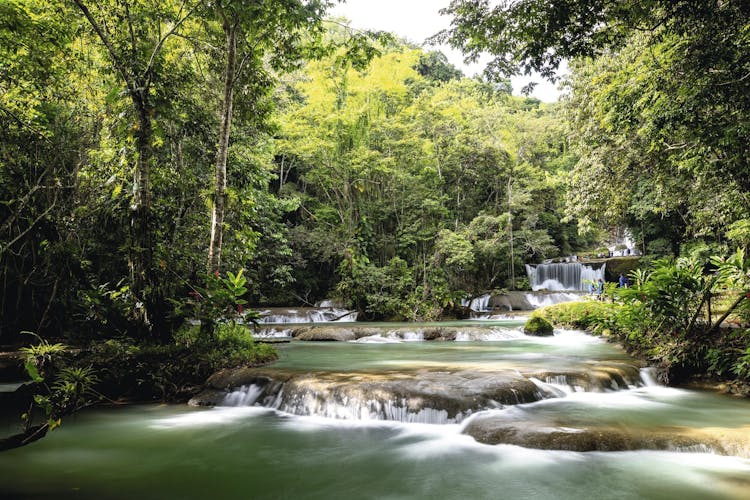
590,315
171,371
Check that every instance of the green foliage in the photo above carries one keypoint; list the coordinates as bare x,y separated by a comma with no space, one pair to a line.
219,300
670,294
659,106
435,66
661,315
437,171
171,372
538,326
594,316
739,232
39,358
60,390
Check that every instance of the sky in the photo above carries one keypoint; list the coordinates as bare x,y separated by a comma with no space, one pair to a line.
416,20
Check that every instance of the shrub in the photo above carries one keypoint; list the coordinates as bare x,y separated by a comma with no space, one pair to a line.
588,315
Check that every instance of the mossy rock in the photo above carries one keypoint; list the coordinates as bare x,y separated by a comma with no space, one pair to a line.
538,327
618,265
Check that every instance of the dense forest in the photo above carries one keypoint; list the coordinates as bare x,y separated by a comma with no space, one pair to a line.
357,167
170,160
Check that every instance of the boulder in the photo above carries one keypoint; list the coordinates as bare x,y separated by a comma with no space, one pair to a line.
327,334
538,326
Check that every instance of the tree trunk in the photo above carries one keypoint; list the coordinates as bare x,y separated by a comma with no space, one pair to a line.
510,233
140,258
729,311
220,180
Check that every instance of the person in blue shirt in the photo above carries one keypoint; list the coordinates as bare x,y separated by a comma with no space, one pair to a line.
623,282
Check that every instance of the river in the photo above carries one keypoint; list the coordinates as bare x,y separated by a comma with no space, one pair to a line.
387,419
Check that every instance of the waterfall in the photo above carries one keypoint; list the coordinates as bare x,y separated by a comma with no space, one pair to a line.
477,304
306,315
547,299
247,395
563,275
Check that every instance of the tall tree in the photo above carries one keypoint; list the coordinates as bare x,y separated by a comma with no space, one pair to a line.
258,36
134,35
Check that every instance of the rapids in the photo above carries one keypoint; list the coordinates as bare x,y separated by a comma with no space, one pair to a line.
397,418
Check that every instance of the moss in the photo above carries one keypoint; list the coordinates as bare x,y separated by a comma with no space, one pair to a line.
538,326
620,265
588,315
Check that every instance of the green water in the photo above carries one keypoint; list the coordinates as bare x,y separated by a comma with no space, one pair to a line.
568,349
163,451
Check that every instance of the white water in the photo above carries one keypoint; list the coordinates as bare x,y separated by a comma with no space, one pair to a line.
310,404
541,300
477,304
563,276
247,395
266,332
489,334
307,315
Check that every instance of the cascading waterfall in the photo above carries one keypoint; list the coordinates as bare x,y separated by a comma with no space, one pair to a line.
536,301
310,403
415,400
477,304
562,276
307,315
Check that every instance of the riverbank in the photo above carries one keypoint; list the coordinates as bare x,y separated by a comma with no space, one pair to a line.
707,362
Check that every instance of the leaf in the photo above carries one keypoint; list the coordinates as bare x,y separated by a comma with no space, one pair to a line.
54,423
33,372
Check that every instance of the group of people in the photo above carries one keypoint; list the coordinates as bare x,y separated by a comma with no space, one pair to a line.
597,288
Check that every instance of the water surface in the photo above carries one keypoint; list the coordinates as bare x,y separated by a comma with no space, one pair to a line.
173,451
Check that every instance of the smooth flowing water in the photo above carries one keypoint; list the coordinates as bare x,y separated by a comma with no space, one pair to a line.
170,451
564,275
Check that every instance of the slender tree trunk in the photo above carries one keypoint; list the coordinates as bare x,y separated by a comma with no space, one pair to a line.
220,180
140,258
724,316
510,231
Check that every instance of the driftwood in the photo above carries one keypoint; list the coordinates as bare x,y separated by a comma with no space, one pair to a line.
24,438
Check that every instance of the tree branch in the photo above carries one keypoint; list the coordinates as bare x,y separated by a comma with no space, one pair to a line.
116,60
31,226
160,44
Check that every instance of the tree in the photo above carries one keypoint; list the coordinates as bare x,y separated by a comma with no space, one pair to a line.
659,98
255,33
43,130
134,36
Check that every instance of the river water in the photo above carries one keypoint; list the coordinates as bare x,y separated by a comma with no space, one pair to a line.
175,451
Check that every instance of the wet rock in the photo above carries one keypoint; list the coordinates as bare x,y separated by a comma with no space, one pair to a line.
327,334
539,327
208,397
419,396
361,332
496,429
593,378
348,333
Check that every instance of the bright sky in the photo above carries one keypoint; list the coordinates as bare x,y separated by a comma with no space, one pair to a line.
416,20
